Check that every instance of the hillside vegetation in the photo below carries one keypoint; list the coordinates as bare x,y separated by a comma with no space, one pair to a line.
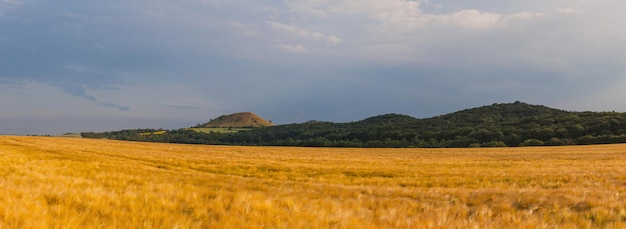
51,182
236,120
497,125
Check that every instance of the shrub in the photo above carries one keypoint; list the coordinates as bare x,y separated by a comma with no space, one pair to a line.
532,142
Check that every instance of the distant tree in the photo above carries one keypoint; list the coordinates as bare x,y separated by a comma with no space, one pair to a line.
554,142
532,142
494,144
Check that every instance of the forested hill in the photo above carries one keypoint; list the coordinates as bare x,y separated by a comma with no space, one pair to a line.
511,124
501,113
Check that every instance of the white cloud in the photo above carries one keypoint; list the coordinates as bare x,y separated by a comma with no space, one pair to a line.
400,14
292,48
13,2
401,28
246,30
287,28
569,11
332,40
524,16
8,4
473,19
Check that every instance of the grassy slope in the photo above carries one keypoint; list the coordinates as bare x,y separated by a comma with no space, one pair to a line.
78,183
237,120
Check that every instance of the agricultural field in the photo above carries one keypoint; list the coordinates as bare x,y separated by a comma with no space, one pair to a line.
50,182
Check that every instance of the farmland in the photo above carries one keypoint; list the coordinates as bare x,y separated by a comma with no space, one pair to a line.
76,183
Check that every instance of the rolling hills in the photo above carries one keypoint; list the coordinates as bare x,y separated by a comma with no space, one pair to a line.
496,125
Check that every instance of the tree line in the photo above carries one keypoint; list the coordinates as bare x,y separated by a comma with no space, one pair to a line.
497,125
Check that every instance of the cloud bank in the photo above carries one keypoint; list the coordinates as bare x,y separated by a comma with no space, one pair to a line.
181,63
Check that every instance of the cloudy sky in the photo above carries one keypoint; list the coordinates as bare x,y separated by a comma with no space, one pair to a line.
74,66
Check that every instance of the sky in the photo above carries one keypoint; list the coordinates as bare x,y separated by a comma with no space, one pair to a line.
78,66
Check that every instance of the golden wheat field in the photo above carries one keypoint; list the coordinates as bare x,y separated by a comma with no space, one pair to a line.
51,182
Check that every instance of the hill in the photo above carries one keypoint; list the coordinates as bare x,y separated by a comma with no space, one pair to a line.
501,112
496,125
237,120
507,124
